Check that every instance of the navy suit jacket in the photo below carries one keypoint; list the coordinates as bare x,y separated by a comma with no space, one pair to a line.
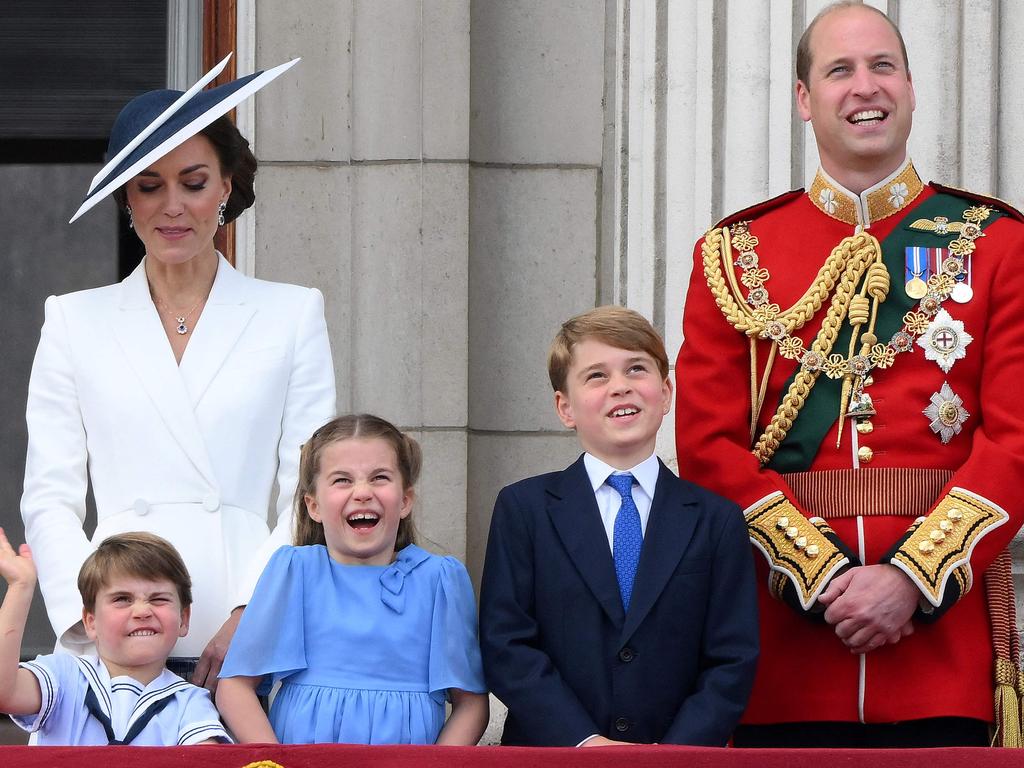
560,652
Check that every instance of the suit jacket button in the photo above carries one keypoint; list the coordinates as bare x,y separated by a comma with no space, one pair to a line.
141,507
621,725
211,502
626,655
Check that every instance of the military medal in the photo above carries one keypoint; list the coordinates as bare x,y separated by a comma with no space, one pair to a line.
918,261
961,293
960,270
944,340
946,413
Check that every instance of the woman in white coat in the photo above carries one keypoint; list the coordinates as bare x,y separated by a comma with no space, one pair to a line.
184,392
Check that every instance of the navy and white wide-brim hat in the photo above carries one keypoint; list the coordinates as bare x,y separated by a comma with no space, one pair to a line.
153,124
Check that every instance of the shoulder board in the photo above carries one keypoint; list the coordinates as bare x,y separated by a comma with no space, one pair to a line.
995,202
756,210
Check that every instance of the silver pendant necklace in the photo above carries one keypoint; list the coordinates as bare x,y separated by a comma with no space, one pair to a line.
181,318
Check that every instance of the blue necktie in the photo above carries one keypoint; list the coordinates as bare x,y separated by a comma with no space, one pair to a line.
627,537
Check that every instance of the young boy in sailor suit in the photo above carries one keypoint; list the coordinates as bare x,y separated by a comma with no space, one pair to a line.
137,596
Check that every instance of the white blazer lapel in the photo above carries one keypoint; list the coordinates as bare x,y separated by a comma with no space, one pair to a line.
141,336
219,328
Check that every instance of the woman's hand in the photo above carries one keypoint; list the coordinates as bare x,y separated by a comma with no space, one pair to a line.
209,664
17,568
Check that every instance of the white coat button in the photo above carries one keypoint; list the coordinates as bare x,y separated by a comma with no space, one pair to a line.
211,502
141,507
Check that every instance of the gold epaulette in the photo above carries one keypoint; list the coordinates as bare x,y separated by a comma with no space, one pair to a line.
939,547
798,548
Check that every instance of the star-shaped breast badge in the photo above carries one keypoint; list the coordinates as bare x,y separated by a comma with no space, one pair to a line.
944,340
946,413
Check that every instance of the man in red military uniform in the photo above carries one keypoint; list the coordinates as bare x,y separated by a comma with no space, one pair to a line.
850,376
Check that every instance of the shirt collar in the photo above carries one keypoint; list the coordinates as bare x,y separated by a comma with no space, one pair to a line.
889,196
646,472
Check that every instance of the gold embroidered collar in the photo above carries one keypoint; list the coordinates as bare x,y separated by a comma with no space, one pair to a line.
889,196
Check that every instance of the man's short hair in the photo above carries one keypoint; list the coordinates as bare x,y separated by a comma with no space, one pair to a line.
803,48
616,326
136,554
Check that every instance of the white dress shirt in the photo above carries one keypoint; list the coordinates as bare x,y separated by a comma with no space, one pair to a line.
608,499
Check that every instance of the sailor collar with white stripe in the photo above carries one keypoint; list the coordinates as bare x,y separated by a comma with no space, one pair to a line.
889,196
166,684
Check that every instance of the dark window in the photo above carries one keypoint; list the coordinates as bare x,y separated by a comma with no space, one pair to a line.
68,66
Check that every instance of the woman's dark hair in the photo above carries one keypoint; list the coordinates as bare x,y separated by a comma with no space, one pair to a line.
237,162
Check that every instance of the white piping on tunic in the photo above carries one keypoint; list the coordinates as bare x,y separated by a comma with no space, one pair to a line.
854,445
863,657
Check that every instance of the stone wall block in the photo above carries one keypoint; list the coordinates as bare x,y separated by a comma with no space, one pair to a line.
930,38
446,79
532,265
386,291
440,511
409,292
746,104
306,113
303,238
1010,128
499,460
538,81
445,290
386,74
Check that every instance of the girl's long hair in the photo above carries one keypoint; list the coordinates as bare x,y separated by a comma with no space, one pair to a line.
361,425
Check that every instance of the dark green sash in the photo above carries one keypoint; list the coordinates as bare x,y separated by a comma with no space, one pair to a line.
821,409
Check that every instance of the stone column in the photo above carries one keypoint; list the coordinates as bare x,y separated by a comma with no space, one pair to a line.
363,193
536,149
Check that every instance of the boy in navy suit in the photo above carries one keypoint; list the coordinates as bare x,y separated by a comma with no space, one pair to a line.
618,601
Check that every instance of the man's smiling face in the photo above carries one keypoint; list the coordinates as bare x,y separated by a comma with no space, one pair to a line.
859,96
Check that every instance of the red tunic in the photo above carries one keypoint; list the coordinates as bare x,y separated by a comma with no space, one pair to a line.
945,668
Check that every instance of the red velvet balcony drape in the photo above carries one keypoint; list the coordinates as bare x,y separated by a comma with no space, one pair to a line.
347,756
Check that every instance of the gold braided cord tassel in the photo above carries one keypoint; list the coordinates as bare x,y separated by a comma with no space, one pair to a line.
878,281
860,310
733,305
1002,609
858,252
1007,706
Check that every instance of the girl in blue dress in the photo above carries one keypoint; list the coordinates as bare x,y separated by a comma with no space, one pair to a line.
367,633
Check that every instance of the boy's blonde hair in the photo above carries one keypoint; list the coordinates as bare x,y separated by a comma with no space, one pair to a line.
365,426
616,326
138,554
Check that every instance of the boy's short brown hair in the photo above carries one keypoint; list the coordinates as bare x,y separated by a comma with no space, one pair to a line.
136,553
616,326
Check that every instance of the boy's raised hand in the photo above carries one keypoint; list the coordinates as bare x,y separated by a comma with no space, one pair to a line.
16,567
20,693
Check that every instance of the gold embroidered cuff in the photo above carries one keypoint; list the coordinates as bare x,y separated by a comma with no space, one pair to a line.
795,547
939,548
